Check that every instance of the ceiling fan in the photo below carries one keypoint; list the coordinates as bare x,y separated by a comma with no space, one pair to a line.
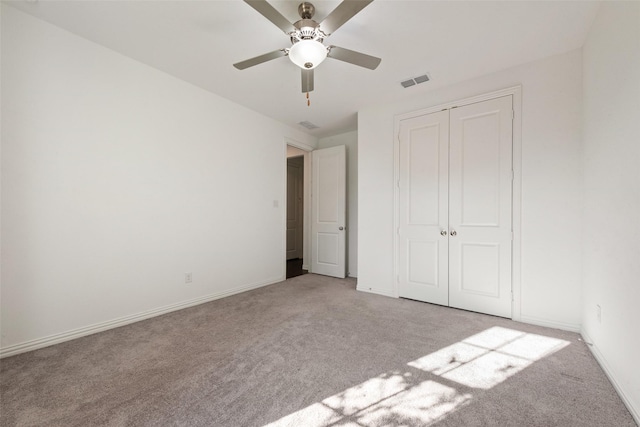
307,50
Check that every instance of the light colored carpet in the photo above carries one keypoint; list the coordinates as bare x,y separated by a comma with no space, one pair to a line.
312,351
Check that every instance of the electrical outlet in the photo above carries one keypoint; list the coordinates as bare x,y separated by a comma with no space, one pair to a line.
599,313
187,278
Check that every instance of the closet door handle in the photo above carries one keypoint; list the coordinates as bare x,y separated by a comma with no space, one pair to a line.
454,233
443,233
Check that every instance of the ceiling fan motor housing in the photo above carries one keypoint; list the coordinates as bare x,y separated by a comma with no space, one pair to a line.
307,29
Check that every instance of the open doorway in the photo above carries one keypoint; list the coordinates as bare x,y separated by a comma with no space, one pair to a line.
296,223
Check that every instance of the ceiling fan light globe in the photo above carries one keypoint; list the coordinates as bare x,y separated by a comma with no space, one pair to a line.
307,54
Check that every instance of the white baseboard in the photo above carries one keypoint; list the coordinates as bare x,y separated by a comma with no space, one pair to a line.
374,291
635,412
12,350
572,327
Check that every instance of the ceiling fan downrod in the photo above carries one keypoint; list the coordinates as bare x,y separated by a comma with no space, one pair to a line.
306,10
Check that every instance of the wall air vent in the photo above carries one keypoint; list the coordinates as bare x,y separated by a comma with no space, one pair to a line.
415,80
308,125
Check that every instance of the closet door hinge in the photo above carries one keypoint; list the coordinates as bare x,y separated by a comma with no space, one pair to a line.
513,115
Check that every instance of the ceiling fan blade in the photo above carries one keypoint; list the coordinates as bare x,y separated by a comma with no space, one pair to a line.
341,14
307,81
353,57
269,12
260,59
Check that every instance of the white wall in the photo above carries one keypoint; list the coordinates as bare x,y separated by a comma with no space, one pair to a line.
116,180
350,141
612,194
551,185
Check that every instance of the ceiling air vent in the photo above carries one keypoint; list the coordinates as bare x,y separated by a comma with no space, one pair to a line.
415,80
308,125
408,83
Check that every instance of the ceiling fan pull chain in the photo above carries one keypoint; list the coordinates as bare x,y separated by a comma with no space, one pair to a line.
308,100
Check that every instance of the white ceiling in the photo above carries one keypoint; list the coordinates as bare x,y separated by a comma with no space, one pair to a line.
198,41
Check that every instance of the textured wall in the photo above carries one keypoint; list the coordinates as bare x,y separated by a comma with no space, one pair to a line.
612,194
117,179
551,184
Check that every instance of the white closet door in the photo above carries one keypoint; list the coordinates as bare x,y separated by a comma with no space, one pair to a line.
423,199
480,193
328,212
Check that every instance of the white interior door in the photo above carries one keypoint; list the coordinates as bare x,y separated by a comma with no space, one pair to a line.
328,211
294,207
480,203
423,208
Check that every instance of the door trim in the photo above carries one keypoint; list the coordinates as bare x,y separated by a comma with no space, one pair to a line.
295,200
516,93
306,231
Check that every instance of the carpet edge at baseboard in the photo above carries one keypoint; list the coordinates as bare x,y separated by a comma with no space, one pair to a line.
363,288
61,337
602,361
571,327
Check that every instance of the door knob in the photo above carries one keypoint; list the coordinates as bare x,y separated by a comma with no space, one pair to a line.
340,228
454,233
443,233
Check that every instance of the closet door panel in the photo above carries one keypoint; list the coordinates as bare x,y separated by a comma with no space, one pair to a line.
480,191
423,200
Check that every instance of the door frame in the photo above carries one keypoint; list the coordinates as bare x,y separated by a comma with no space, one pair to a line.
295,174
306,205
516,93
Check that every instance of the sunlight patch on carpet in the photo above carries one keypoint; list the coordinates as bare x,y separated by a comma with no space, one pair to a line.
418,405
480,361
488,358
389,397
